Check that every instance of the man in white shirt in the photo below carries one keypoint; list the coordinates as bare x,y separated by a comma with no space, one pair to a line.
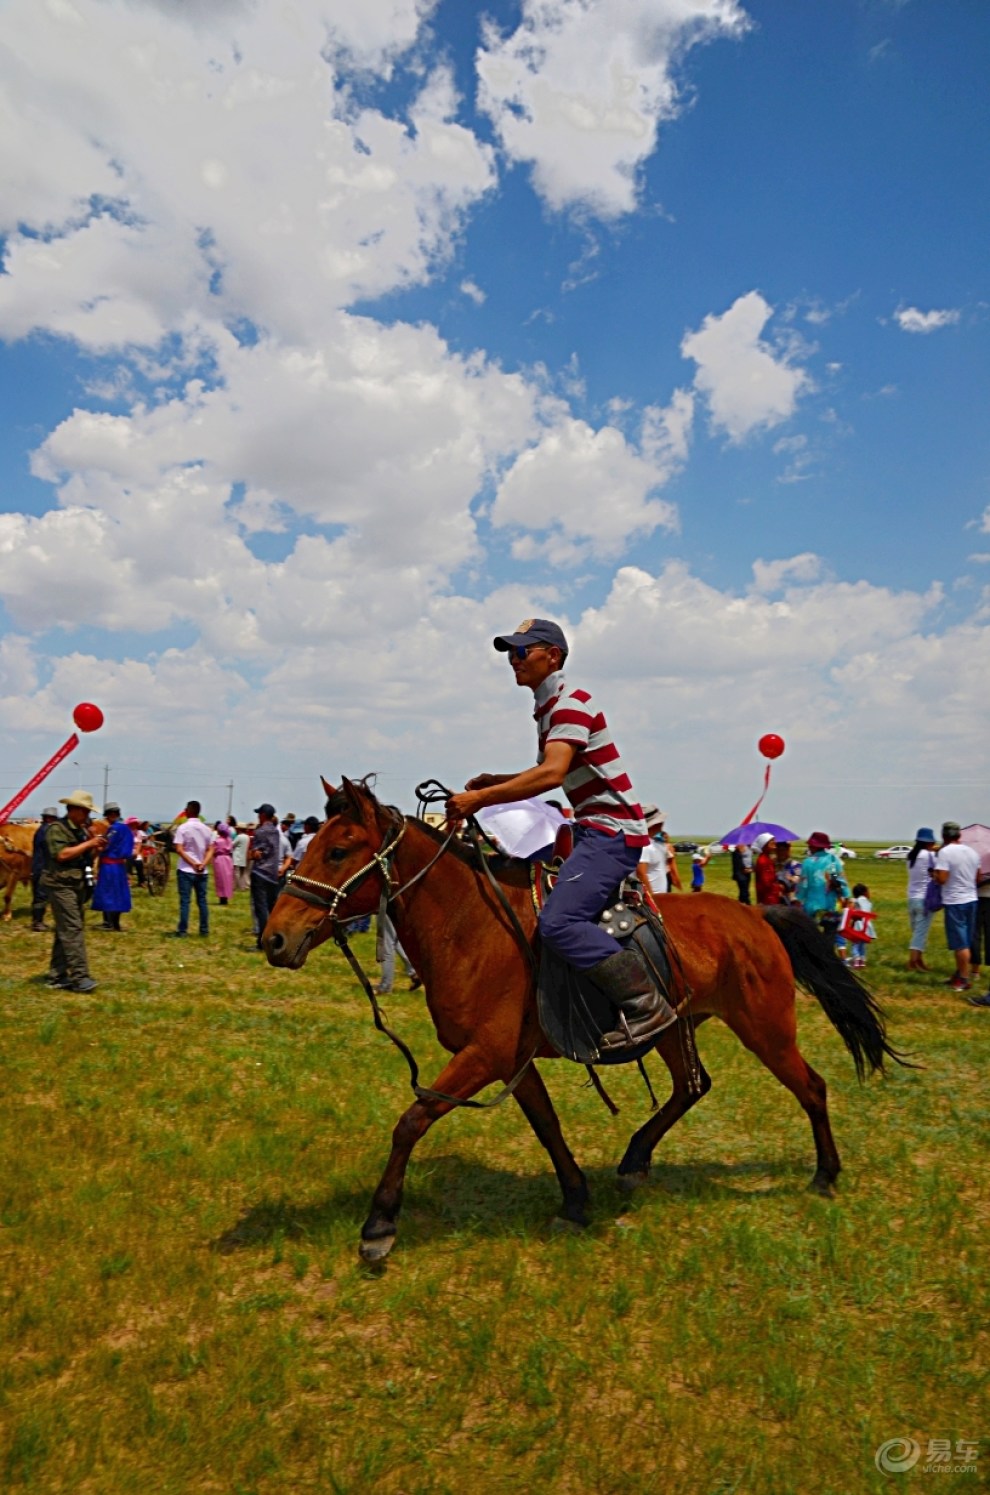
284,850
956,868
193,840
658,868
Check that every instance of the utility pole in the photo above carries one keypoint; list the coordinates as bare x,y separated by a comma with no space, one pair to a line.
230,797
106,781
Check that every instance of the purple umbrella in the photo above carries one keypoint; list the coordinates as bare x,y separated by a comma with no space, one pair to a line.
745,835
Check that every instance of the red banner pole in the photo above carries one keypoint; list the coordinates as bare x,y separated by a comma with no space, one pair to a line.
53,762
766,785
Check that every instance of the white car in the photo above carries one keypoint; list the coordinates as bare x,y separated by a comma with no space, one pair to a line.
845,852
893,854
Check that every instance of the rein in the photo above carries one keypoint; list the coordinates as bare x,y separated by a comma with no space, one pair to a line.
329,897
433,792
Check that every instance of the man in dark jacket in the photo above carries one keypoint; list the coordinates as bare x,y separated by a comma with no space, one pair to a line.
39,898
741,874
266,862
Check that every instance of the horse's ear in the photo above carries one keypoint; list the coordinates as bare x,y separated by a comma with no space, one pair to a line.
356,800
328,789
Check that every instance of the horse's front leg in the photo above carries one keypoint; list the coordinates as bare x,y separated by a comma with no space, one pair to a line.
537,1107
466,1074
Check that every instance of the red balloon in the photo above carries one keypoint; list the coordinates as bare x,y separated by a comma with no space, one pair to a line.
771,746
87,717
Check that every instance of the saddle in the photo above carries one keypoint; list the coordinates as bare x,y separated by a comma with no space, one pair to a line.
574,1013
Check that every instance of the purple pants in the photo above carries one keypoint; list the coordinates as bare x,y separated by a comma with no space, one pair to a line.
587,881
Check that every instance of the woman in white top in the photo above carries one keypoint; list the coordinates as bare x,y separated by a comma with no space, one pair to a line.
921,863
239,855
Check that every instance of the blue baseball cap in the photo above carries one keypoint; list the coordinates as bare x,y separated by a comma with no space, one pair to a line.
533,631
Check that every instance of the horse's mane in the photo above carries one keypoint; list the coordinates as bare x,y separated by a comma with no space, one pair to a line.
510,869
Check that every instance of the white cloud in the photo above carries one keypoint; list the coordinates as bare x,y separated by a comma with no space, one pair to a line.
808,661
748,385
770,576
667,432
380,429
910,319
813,626
473,292
141,699
578,90
826,664
18,671
589,488
984,521
183,166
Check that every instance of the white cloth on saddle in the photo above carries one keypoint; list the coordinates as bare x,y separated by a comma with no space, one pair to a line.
523,827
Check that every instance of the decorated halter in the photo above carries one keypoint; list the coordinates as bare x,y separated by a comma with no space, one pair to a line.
328,896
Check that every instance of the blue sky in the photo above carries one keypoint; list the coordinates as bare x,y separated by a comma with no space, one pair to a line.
332,341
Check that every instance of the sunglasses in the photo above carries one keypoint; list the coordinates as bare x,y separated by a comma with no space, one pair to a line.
519,651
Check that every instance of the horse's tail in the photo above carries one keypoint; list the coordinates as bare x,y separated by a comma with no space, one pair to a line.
849,1006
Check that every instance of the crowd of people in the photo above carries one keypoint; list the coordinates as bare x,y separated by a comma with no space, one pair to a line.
943,874
74,860
947,876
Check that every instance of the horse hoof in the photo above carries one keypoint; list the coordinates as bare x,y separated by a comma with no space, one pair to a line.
377,1250
822,1186
560,1226
631,1181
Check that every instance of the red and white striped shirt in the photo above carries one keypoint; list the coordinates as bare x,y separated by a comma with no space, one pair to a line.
597,785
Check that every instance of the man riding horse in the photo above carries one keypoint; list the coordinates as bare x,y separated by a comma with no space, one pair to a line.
576,751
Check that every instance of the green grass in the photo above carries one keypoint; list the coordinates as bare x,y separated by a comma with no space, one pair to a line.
189,1153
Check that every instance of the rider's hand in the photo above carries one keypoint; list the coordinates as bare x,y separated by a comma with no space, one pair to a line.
481,781
460,806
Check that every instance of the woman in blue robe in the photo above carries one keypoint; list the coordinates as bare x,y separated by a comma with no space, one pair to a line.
112,895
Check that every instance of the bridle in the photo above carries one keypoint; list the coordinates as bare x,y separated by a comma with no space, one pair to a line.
328,896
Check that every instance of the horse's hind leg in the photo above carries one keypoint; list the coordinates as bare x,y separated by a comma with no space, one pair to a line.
465,1074
772,1037
537,1107
635,1164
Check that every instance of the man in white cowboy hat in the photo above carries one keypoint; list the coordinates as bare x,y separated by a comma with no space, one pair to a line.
68,850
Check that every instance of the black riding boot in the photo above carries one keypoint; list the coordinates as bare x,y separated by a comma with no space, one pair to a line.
643,1012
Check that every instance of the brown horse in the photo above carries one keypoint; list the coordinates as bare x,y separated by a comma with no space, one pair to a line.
738,964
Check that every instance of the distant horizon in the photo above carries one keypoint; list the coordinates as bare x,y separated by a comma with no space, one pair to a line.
873,839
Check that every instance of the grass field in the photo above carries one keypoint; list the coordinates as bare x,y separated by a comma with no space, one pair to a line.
188,1155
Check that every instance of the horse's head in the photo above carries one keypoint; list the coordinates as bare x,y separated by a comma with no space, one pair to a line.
328,883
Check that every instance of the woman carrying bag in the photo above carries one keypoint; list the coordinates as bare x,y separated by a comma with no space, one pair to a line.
923,895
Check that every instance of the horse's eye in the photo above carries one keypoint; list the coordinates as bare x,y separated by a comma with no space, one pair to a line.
338,854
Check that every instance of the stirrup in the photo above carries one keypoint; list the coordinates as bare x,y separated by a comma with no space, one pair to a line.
624,1037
